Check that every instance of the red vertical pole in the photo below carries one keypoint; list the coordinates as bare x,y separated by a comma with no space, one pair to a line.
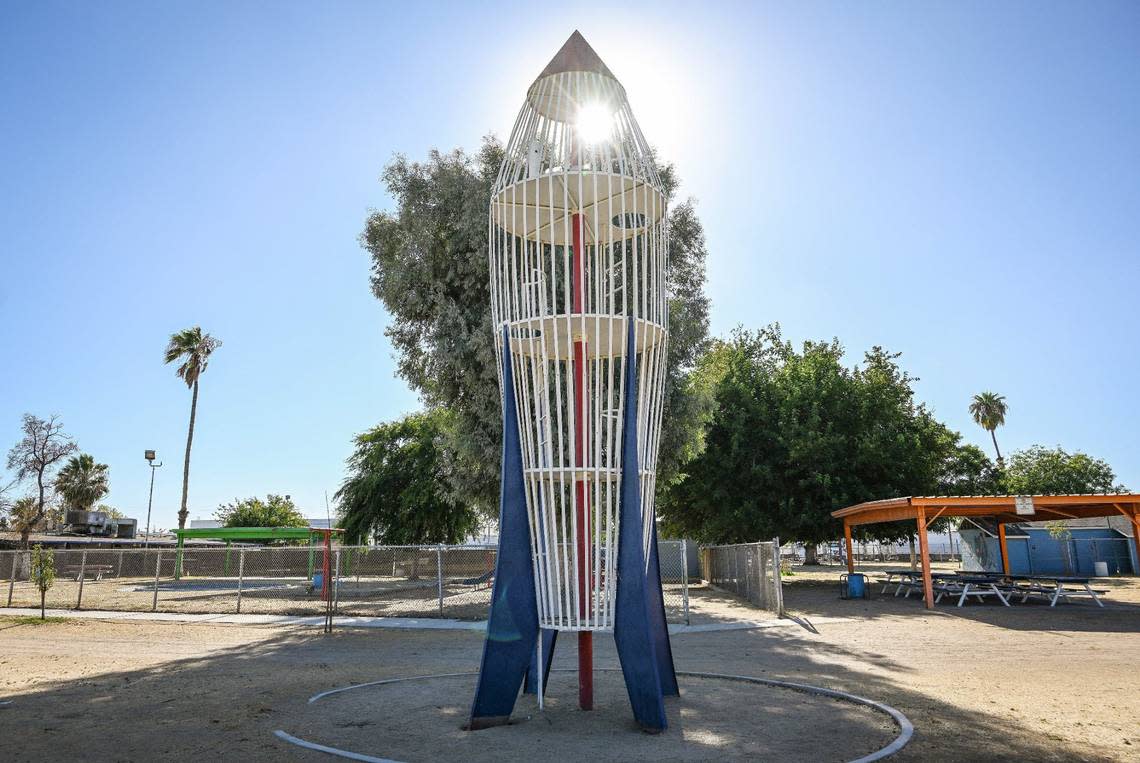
325,567
582,496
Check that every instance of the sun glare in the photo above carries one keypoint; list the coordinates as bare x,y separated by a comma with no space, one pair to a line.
594,122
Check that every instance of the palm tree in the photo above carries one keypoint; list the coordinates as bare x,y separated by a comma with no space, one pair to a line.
988,410
193,348
23,516
82,482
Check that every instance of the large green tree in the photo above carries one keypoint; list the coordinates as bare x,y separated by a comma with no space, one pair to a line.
192,347
394,492
430,270
794,434
274,511
81,482
1042,471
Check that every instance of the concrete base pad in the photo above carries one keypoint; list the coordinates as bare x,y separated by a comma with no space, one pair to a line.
715,718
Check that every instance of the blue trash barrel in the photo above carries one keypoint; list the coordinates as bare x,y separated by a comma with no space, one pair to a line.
856,586
318,581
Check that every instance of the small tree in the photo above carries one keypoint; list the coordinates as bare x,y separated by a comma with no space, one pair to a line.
36,456
1060,532
24,515
43,574
110,511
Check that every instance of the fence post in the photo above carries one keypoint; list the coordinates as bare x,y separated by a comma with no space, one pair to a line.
12,580
82,577
439,575
762,574
157,567
685,578
119,573
748,578
776,576
241,576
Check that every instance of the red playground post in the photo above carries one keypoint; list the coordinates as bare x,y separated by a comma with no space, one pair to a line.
581,491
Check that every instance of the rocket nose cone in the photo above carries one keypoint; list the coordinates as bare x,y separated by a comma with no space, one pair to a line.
576,55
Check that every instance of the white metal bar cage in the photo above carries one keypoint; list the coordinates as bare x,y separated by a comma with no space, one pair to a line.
577,241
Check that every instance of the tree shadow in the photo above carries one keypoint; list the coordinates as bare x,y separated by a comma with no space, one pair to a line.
242,683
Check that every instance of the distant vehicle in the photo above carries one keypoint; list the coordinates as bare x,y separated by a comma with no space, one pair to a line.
100,523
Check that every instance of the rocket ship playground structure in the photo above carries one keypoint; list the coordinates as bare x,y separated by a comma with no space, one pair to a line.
577,242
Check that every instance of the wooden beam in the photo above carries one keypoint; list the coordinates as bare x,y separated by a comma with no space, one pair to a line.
1004,548
933,519
847,538
1056,512
1133,517
874,516
924,550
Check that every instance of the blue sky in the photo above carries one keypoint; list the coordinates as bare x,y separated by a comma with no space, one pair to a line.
955,181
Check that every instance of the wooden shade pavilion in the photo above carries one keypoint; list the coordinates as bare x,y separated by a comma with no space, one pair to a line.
1001,508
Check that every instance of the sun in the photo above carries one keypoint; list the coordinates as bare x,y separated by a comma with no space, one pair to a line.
594,122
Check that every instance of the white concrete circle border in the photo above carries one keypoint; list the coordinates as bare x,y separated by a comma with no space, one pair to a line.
906,728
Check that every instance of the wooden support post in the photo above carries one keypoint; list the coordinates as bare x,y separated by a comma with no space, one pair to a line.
847,539
1004,548
1136,535
924,552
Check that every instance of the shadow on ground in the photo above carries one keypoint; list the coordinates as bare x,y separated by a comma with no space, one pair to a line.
128,690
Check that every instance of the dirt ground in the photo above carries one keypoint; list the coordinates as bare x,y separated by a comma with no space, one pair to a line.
983,682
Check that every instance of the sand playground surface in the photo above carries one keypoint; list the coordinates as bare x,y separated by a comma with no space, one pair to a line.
983,682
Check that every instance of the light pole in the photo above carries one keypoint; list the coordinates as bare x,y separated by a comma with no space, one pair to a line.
149,455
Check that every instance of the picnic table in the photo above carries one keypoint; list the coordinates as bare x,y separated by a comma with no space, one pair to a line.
1052,587
905,577
1057,587
979,586
910,580
79,570
1004,587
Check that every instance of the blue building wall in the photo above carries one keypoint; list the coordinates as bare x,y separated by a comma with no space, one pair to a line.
1041,554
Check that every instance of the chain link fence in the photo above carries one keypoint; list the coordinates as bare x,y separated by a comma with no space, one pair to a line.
749,570
369,581
948,549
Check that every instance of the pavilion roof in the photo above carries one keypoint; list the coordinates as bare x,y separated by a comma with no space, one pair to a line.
1002,507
